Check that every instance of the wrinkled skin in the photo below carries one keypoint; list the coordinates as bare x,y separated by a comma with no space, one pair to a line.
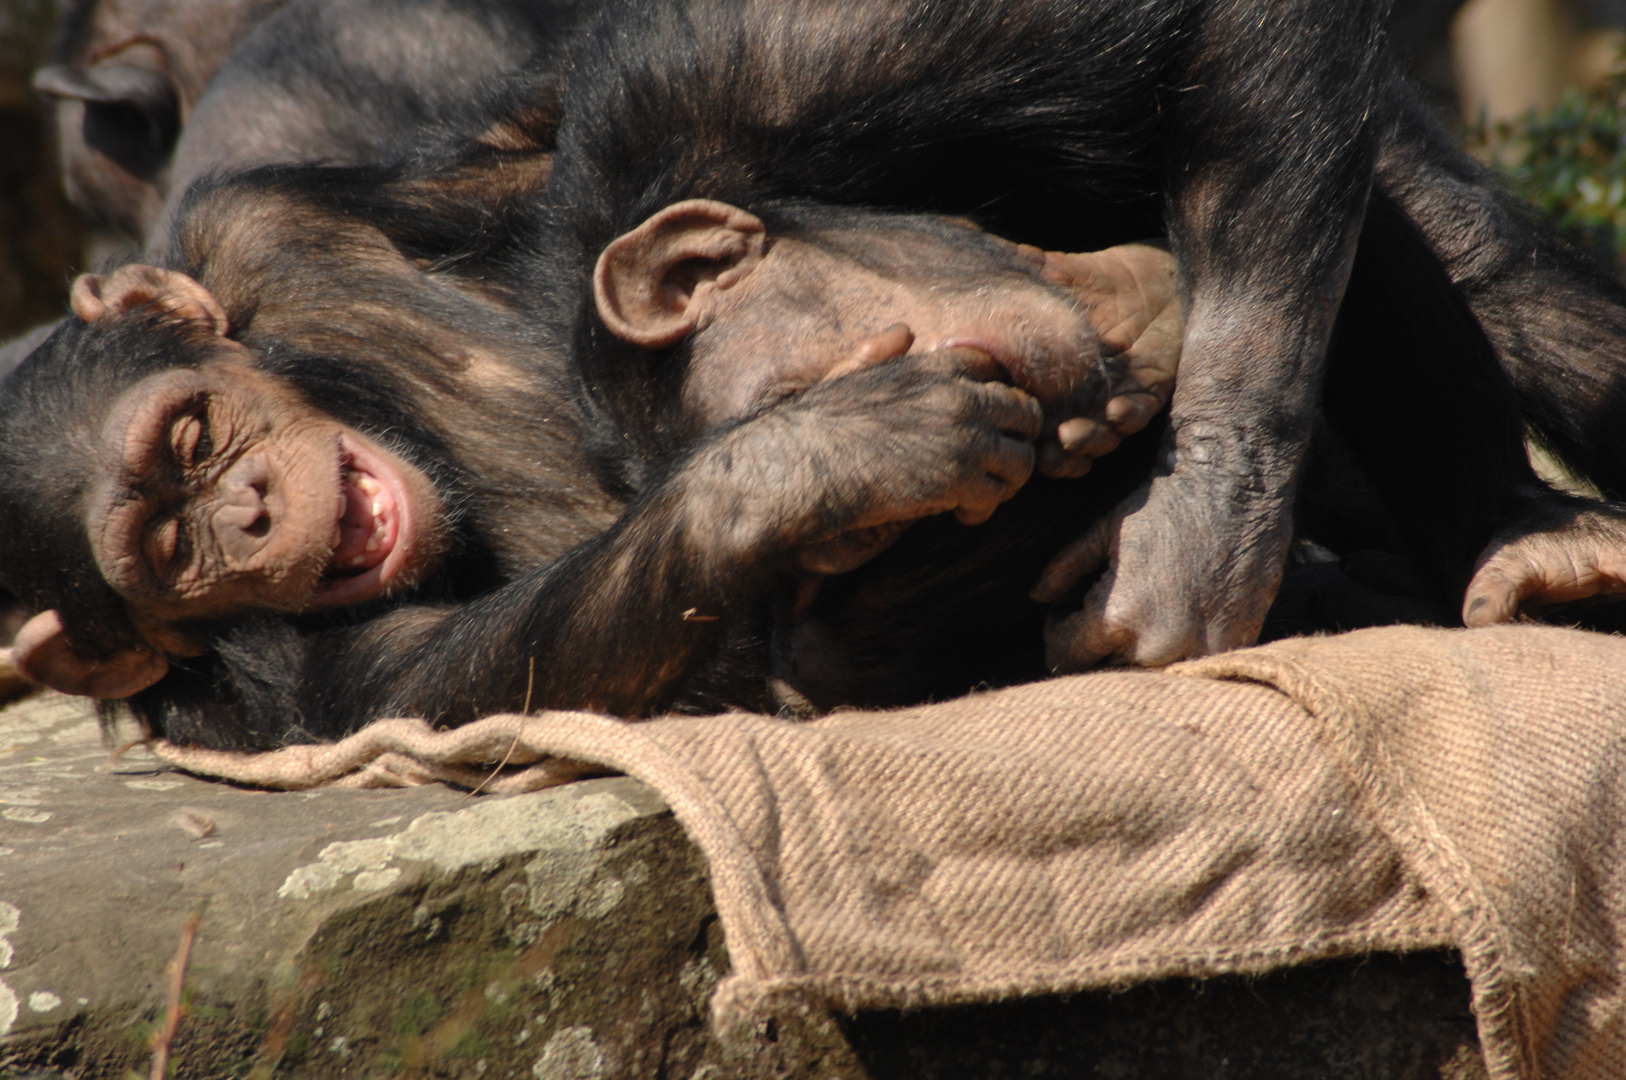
224,492
778,313
221,491
824,442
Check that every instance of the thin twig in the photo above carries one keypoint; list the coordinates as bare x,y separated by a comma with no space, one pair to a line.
176,970
124,748
530,684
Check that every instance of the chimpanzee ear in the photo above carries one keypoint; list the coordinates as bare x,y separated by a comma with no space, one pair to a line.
43,654
131,287
658,284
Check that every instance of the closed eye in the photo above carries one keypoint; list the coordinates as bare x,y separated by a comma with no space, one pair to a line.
161,546
190,439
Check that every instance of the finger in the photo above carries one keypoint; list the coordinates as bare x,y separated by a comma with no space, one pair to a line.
1128,413
848,551
1058,464
1496,591
979,497
975,513
1084,638
1013,412
1538,571
973,364
1007,466
889,344
1075,562
1081,435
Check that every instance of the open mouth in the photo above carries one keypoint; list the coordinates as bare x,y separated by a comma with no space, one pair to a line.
368,527
375,528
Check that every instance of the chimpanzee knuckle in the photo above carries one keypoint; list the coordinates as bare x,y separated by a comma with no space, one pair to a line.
1010,463
1013,411
1149,627
940,364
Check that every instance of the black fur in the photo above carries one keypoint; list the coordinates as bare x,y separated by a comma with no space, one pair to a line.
1245,130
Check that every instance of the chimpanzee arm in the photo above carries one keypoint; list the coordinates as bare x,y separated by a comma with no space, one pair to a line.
1269,150
621,623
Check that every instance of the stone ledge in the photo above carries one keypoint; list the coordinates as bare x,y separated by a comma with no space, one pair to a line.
564,935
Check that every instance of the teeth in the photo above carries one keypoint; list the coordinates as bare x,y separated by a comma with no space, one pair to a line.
358,560
378,507
368,485
372,542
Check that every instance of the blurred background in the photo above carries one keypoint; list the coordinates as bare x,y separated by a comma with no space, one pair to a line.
1535,86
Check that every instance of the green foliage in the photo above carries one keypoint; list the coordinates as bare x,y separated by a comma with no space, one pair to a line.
1570,161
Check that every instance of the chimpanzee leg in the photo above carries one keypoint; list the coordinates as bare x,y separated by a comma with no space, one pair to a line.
1556,319
1269,159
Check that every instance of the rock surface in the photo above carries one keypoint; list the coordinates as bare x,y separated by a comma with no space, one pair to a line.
565,935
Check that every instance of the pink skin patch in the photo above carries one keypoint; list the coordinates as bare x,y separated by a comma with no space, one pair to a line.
377,537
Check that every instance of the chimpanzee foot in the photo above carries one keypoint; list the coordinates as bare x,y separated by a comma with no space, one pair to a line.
1577,553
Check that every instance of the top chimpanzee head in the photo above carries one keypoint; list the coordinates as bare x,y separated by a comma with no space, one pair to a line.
715,313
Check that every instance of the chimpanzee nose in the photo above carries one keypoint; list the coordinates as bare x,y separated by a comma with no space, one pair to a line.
242,518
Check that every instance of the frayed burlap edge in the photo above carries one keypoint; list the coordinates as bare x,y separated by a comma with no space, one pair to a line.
1353,734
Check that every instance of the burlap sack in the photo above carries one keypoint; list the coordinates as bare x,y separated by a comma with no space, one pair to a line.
1390,789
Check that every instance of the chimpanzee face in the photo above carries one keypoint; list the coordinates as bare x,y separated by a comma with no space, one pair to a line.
222,491
217,490
771,316
807,311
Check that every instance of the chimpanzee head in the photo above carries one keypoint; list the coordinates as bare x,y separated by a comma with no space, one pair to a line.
189,486
754,308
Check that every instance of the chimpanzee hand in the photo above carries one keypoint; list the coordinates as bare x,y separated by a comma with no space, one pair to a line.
1152,603
1133,303
833,475
1574,551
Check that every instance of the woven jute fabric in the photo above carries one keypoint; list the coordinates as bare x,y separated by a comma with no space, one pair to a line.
1390,789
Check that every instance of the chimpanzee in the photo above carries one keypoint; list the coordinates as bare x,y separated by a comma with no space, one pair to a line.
148,98
152,96
125,75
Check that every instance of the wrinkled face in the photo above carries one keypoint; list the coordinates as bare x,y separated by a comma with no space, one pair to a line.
223,492
805,308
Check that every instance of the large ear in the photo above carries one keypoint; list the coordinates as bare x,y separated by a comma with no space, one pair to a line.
131,287
658,284
44,655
